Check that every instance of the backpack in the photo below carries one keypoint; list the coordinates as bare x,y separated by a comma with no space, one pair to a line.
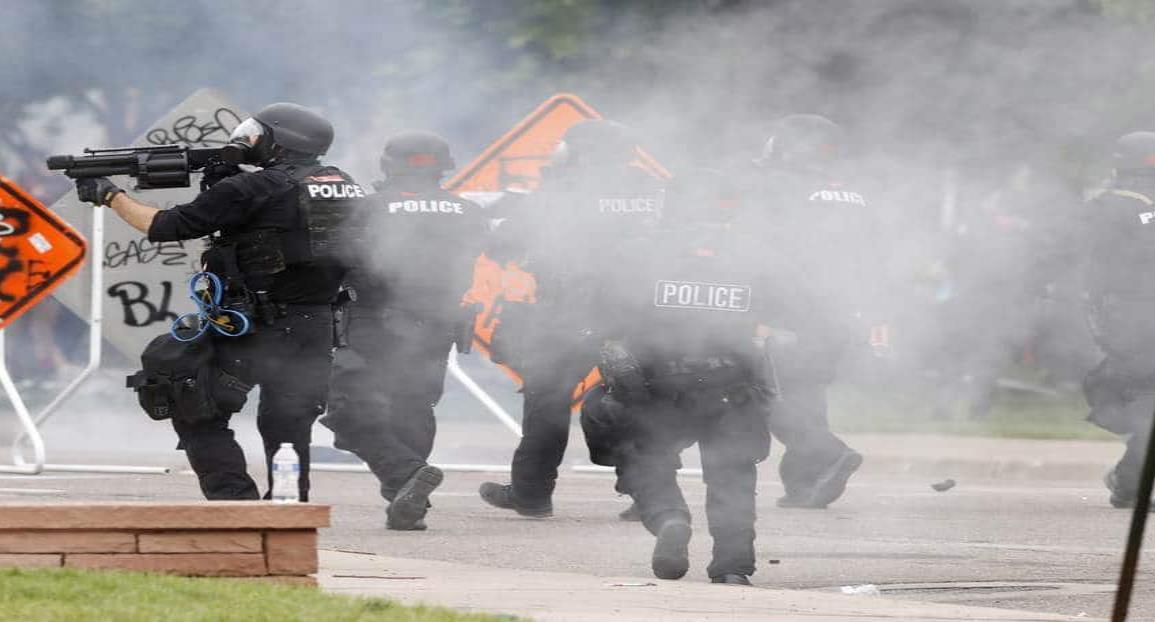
180,381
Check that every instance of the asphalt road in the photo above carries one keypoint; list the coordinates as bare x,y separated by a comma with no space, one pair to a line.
1047,547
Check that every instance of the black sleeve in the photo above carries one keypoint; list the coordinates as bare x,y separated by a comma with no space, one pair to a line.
227,203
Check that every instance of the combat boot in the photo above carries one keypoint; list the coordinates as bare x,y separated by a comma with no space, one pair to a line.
407,511
832,483
631,514
731,579
1119,499
671,558
501,496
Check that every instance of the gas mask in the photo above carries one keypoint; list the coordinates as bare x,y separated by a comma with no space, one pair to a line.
250,143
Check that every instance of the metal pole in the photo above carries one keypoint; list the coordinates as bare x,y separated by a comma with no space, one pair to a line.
482,396
26,422
95,328
95,353
1135,537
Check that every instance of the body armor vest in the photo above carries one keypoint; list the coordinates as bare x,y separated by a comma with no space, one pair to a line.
325,231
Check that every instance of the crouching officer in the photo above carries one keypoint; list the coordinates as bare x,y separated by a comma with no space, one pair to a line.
408,284
273,236
1121,390
680,365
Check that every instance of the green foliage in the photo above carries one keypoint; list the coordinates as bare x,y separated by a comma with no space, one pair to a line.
83,596
1014,415
1142,11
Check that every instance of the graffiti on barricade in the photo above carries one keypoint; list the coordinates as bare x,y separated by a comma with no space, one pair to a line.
142,252
142,307
209,131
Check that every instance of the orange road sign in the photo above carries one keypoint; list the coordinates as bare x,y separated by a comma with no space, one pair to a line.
514,162
38,251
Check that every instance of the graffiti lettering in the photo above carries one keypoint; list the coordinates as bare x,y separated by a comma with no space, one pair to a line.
12,265
139,309
193,131
13,221
144,252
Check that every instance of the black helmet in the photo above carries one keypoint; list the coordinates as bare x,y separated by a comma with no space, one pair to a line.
803,141
291,127
415,152
596,141
1135,152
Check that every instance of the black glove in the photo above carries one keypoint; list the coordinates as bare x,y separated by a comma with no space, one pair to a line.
217,171
96,190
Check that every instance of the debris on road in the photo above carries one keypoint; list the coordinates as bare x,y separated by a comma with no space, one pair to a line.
944,485
868,589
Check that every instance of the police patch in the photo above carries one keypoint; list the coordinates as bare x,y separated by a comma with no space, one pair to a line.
708,296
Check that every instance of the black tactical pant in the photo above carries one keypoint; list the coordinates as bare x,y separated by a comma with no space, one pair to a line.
385,384
548,387
1121,390
290,362
800,421
644,444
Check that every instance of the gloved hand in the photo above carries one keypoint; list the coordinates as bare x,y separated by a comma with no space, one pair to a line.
96,190
217,171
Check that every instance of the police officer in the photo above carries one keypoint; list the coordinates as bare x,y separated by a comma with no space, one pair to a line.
1121,390
270,230
819,230
680,365
408,286
590,199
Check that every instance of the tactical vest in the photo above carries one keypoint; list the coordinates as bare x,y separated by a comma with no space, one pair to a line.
326,231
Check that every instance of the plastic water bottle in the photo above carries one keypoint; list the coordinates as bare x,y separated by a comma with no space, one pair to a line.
286,474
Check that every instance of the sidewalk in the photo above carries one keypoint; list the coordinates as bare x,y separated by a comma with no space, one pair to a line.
572,597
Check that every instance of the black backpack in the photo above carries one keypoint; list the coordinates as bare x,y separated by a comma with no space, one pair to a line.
181,381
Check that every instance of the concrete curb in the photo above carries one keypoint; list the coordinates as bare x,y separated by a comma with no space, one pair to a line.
572,597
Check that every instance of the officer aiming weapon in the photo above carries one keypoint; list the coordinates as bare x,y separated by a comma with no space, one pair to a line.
164,166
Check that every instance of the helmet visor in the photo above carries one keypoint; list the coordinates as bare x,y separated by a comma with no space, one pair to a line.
248,133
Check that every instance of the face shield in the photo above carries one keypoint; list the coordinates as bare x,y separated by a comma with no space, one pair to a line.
247,133
244,142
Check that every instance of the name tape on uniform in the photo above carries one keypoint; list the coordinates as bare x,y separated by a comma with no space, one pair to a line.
696,295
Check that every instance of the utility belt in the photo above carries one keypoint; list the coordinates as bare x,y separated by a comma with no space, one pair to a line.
461,322
676,378
685,380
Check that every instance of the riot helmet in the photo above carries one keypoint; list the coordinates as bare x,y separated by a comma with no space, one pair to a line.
803,141
595,142
277,131
416,153
1134,153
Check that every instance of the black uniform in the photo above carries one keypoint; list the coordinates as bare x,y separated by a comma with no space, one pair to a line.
572,226
688,370
820,243
271,224
1121,390
423,242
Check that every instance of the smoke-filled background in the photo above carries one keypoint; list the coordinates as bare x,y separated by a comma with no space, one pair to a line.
977,126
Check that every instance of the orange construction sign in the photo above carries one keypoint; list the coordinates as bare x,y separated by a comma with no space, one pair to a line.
38,251
514,162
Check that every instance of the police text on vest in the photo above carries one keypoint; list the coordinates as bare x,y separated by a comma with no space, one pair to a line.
708,296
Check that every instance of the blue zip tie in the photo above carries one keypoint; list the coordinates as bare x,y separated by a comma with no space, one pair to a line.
209,311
